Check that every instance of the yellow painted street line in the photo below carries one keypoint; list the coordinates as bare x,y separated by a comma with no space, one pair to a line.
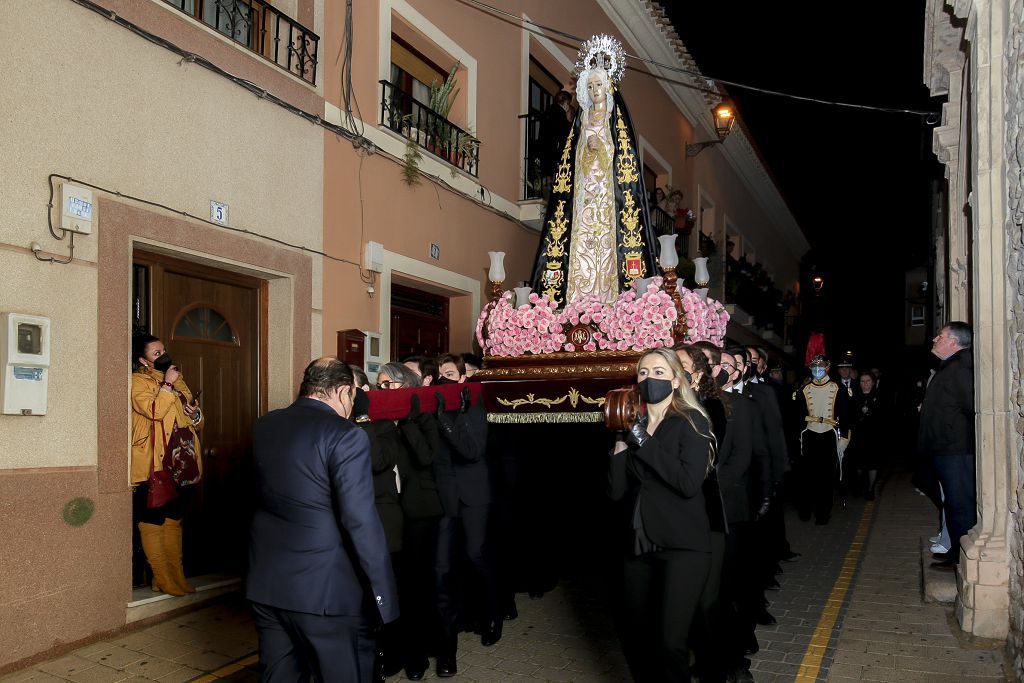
815,653
227,669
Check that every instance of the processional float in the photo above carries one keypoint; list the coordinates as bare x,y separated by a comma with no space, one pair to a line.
554,350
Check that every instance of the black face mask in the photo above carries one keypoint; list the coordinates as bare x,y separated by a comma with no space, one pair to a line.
163,362
445,380
655,390
721,379
360,404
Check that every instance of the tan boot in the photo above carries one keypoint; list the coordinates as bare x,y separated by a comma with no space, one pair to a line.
153,545
172,546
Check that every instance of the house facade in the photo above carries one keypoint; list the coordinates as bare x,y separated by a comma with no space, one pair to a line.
973,57
126,121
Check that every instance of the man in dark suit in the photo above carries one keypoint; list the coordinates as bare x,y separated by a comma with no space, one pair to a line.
320,575
463,483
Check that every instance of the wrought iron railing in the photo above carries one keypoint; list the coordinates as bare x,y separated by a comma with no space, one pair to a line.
413,120
533,173
663,223
263,29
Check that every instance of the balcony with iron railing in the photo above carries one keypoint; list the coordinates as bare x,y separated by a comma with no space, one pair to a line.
417,122
258,26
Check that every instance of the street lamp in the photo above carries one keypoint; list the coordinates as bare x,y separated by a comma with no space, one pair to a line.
817,282
725,118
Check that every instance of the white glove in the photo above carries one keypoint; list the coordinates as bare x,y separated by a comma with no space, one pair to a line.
842,446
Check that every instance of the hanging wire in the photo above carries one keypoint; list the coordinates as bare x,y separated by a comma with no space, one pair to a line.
483,6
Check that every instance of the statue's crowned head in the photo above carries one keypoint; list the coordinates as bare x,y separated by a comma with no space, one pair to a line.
600,64
602,52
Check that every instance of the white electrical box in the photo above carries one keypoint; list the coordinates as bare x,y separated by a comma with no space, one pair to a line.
76,209
373,257
25,354
373,355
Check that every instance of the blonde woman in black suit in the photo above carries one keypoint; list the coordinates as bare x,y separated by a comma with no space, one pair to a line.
657,471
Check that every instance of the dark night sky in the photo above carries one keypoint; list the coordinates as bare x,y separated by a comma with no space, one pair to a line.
857,181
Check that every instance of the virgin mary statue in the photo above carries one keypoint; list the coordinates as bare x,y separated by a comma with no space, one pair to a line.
597,236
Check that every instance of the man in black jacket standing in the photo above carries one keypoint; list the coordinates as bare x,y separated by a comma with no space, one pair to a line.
946,433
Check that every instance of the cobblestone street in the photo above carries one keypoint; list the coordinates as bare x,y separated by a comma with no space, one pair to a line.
846,611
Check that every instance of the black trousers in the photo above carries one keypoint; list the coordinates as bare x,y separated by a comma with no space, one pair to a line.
661,595
467,532
296,647
420,621
820,466
708,630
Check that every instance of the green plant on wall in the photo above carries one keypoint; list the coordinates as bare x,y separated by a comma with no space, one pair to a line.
411,167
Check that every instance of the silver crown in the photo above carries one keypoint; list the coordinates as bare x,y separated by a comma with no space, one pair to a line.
603,52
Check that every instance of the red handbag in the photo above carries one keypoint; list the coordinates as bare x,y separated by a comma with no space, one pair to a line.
180,457
161,489
180,453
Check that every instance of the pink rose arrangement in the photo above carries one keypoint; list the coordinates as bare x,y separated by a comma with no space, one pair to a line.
635,321
705,319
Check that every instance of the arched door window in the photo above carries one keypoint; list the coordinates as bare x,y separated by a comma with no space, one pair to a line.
202,323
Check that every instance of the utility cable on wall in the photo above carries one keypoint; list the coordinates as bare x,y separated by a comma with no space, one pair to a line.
932,116
186,214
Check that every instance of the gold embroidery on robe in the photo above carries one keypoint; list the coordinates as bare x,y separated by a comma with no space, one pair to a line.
555,250
627,172
563,179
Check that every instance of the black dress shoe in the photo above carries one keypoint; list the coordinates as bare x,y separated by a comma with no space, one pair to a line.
415,671
777,571
764,618
945,557
446,667
511,612
491,634
772,585
752,647
790,556
943,565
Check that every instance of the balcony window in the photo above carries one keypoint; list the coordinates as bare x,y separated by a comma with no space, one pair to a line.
405,109
543,87
261,28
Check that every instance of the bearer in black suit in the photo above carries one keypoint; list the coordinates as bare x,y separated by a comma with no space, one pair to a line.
463,482
319,571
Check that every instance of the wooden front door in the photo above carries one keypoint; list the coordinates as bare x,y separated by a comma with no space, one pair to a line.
209,321
419,323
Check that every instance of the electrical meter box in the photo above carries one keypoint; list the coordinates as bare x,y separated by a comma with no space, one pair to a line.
25,354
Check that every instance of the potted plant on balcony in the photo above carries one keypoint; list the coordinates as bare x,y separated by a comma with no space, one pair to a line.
442,97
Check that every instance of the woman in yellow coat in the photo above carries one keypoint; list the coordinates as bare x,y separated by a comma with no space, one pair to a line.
160,401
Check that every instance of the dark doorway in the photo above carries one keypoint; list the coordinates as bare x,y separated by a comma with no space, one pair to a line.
419,323
209,320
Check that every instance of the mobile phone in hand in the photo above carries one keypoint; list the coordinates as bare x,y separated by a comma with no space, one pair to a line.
195,397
